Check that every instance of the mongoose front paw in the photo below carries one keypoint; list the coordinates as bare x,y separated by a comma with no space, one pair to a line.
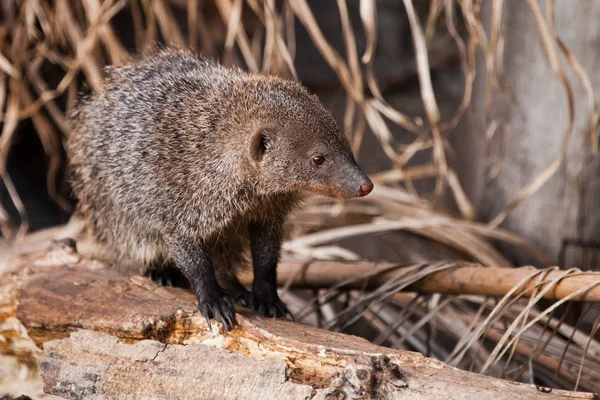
220,307
271,307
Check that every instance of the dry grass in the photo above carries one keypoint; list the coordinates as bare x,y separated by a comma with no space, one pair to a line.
513,336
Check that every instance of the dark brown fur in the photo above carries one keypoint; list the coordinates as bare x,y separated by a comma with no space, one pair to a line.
180,160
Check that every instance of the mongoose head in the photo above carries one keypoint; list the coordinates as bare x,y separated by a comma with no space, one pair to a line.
297,145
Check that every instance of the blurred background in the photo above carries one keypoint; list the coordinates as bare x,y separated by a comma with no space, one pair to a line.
477,121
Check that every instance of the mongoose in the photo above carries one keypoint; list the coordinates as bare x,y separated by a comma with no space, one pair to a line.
179,159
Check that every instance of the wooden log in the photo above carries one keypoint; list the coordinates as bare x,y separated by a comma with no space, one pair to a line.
106,335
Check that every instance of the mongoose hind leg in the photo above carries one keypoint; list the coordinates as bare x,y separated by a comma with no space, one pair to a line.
265,243
193,259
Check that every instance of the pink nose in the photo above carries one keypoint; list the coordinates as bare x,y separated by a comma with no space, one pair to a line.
365,189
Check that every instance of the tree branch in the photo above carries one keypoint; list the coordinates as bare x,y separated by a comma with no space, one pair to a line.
455,278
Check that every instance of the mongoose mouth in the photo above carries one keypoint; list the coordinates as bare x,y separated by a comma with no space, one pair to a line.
329,191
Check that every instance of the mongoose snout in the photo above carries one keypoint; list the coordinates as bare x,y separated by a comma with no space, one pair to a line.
365,189
182,164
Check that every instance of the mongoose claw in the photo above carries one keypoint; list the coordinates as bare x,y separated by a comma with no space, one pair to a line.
167,276
206,314
274,308
221,309
289,316
240,297
243,300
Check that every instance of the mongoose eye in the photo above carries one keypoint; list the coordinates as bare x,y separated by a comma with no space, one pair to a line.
318,160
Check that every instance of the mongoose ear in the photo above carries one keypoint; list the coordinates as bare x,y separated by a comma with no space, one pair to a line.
259,144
